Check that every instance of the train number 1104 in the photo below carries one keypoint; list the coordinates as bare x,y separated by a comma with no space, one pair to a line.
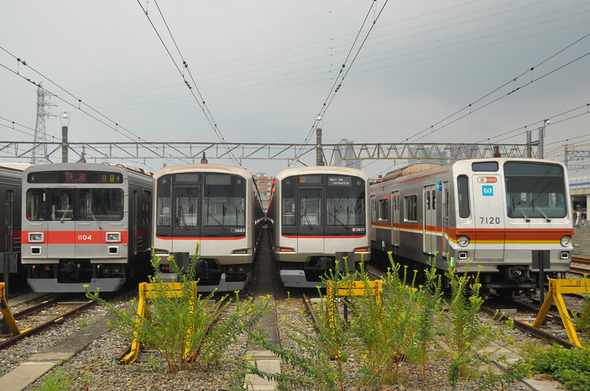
489,220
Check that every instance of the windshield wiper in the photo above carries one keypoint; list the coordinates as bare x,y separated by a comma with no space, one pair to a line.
307,219
214,219
338,220
95,220
541,211
522,213
65,213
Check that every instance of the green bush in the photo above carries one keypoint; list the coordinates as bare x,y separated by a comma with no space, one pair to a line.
570,366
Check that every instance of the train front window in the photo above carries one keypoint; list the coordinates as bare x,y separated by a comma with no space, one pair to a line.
35,204
310,206
61,204
463,196
163,207
186,201
100,204
224,201
288,202
535,190
345,202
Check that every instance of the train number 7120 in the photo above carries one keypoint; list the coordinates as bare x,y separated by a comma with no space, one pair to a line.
489,220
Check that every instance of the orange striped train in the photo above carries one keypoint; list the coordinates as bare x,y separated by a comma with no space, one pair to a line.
85,224
488,214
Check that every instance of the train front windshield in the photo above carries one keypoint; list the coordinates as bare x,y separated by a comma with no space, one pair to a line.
75,204
303,203
535,190
189,202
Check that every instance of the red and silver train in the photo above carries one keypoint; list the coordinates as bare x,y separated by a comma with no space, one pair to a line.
217,206
487,215
10,217
85,224
318,214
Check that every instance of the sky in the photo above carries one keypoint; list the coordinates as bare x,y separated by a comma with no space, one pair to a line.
439,71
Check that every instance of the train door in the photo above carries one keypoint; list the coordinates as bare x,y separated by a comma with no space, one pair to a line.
186,220
444,212
134,224
373,218
310,227
62,226
9,221
395,218
489,211
429,219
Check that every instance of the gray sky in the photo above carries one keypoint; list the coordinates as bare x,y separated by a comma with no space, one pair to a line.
266,68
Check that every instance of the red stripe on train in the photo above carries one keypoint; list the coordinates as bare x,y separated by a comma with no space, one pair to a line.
74,237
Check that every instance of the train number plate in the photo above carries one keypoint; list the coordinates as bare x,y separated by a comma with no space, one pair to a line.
489,220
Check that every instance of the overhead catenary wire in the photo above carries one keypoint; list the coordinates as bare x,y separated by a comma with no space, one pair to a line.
200,100
431,129
342,75
116,126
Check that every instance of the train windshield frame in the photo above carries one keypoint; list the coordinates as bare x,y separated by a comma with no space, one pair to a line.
535,190
74,204
336,202
187,203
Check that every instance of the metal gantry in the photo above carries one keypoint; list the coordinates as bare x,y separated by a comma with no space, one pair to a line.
190,152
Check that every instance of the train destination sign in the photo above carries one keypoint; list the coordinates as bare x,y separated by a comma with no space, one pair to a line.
75,177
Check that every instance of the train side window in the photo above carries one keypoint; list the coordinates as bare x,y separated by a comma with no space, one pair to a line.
35,204
434,200
411,208
463,196
428,200
446,203
384,209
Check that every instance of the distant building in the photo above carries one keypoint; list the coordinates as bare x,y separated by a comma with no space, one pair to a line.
346,151
264,184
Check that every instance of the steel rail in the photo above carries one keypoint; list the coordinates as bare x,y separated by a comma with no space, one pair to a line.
58,320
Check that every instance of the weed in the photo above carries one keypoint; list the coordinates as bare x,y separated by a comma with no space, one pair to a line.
57,381
185,330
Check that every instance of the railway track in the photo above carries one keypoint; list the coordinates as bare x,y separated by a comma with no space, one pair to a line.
40,317
580,270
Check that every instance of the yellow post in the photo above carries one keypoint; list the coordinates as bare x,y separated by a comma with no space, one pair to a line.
556,289
7,313
149,291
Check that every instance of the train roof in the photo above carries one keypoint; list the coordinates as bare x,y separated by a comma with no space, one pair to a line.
321,170
15,166
88,166
219,168
420,168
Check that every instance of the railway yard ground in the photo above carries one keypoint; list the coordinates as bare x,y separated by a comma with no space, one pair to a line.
82,352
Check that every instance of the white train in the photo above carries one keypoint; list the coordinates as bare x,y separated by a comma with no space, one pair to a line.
485,215
217,206
318,214
85,224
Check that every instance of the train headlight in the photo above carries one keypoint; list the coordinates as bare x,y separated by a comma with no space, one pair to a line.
565,241
463,241
36,237
113,237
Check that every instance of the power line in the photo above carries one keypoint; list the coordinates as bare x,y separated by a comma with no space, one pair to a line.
200,100
470,106
342,75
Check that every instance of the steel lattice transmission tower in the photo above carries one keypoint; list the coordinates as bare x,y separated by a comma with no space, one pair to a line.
39,153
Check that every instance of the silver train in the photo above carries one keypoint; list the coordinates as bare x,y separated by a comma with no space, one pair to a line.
85,224
10,217
217,206
318,214
488,215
